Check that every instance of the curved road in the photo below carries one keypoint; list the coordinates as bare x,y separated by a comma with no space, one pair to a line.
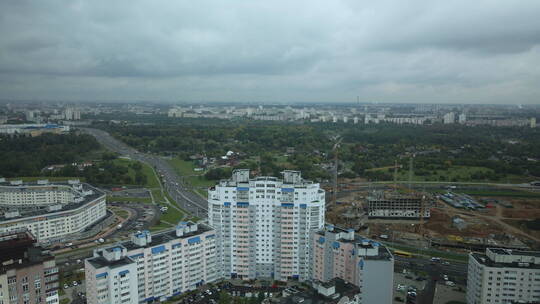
172,182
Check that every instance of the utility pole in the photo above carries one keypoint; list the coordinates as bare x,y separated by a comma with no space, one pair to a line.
335,150
411,171
395,175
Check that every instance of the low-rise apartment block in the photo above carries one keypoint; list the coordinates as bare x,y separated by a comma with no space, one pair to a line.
503,276
154,267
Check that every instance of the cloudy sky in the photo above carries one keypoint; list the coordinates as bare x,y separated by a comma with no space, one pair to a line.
477,51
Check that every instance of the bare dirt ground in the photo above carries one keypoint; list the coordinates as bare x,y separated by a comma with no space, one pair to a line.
480,224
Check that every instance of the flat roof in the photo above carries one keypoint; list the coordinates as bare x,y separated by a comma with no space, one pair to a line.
515,252
486,261
382,254
100,261
97,193
167,236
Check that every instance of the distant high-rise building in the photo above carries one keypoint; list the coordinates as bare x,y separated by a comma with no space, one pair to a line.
503,276
71,113
27,273
339,253
263,225
533,122
462,118
355,120
449,118
30,115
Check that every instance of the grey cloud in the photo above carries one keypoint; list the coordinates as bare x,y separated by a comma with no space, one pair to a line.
263,50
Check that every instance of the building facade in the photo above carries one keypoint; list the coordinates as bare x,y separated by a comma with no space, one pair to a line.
27,274
339,253
263,225
157,266
503,276
52,212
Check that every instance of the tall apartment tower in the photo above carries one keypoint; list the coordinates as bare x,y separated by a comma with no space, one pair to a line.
27,273
503,276
263,225
449,118
339,253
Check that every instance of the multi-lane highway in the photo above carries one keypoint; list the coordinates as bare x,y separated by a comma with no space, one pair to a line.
172,182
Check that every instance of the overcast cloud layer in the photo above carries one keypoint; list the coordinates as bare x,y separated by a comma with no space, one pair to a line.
247,50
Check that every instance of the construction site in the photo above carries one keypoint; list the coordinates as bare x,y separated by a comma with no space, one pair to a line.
420,217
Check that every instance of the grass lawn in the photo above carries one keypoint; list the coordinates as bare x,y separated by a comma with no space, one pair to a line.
158,197
430,253
172,215
460,173
183,167
501,193
151,179
64,301
159,227
121,213
454,173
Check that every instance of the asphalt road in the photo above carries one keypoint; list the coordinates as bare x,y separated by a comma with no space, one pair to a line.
172,182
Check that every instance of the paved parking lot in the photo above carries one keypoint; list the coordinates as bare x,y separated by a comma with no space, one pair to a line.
408,280
445,294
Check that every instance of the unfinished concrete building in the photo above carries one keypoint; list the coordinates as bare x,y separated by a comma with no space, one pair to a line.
397,206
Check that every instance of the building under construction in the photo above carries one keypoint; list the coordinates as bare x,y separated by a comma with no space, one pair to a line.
398,206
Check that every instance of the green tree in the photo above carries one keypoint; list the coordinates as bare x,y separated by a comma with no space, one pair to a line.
224,298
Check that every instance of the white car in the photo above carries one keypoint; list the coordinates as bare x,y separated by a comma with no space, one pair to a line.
74,283
445,277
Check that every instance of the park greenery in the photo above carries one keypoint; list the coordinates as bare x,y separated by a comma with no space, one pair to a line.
446,153
72,155
28,156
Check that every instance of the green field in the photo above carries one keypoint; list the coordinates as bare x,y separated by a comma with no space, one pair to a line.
151,179
505,193
172,215
454,173
183,167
